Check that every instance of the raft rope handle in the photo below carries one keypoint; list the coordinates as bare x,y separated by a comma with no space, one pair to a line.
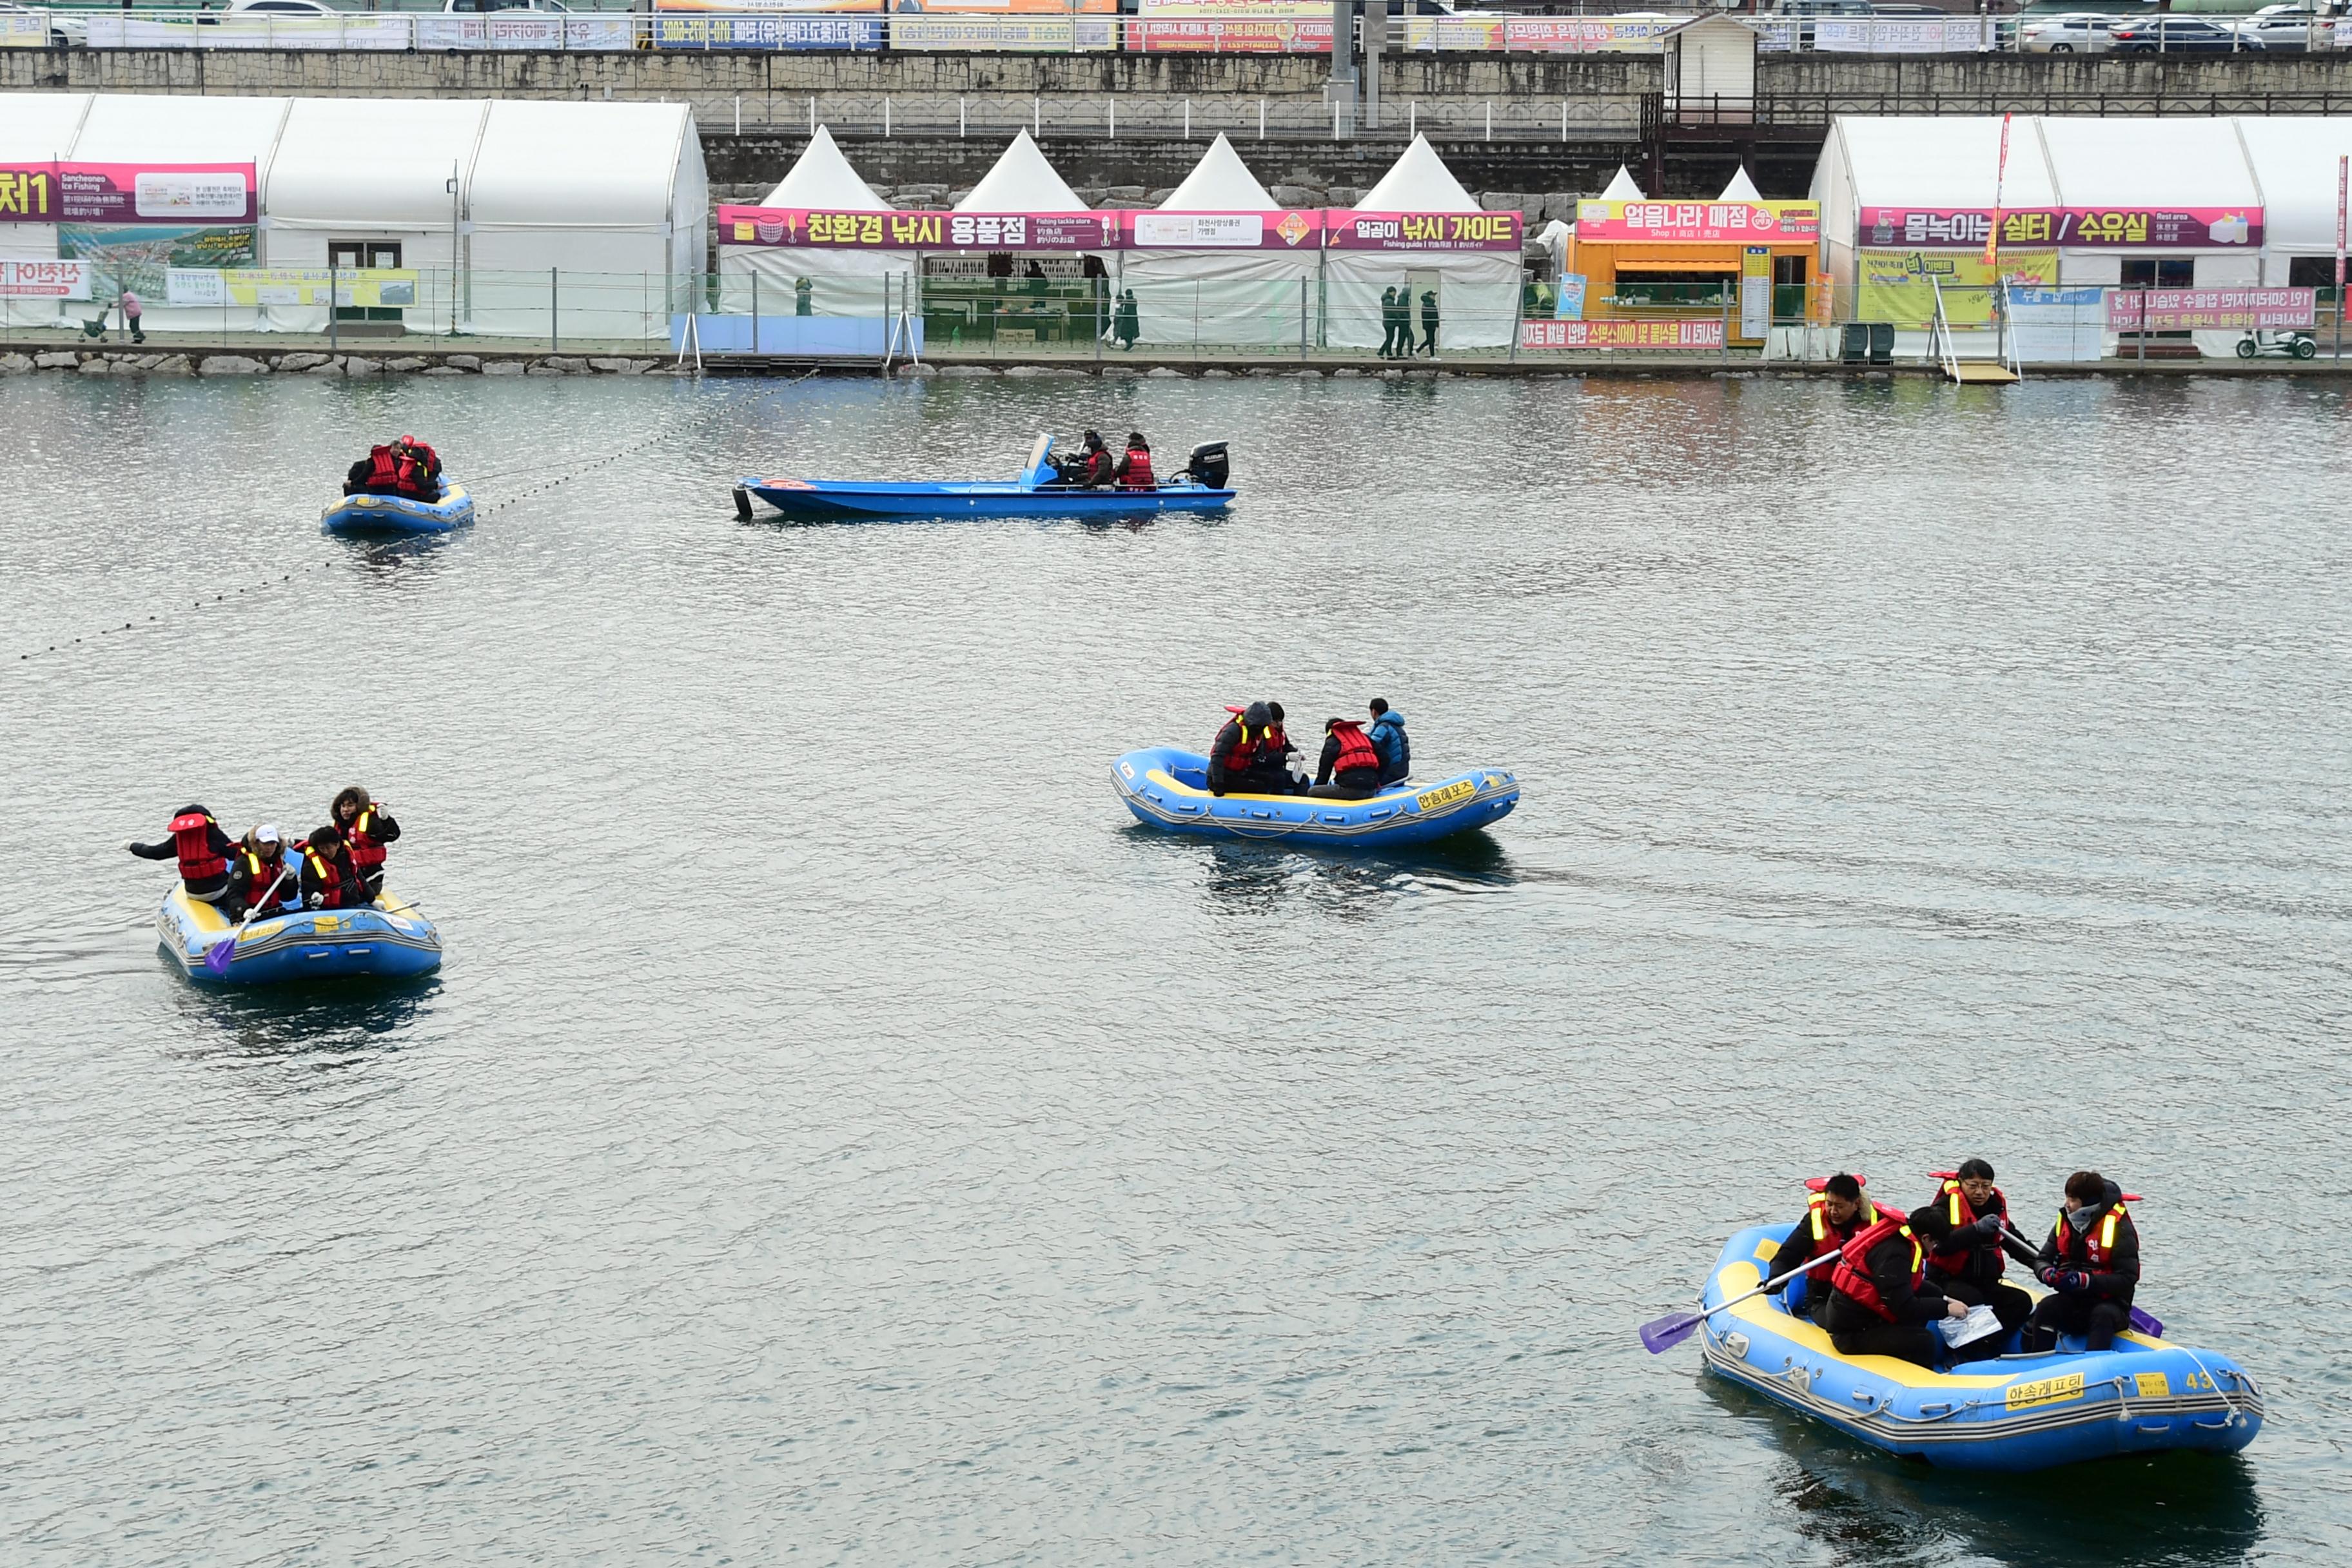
2227,1402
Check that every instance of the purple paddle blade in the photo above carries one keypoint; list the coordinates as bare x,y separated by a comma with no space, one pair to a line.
216,956
2147,1324
1661,1334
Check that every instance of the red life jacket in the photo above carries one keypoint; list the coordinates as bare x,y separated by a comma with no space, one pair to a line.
1817,1211
1355,748
1851,1276
330,879
261,876
2096,1246
1245,751
366,853
1961,1212
383,468
192,837
1138,476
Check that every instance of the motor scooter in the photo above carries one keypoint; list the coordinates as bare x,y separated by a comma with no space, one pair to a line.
2298,344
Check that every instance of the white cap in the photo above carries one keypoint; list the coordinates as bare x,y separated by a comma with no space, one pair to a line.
266,834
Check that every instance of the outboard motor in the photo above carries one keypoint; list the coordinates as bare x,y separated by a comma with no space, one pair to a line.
1209,464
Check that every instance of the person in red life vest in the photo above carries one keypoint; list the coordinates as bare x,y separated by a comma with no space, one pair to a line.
1834,1215
367,827
1135,468
418,473
2092,1262
1095,466
328,880
1878,1302
1234,755
202,849
1349,769
254,868
1965,1226
377,474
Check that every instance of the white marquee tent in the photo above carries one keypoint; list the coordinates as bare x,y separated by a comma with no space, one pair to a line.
1238,293
1478,292
612,194
1021,181
842,281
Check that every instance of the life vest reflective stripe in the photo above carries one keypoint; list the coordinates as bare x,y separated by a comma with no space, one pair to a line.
2099,1244
260,875
1816,1206
1961,1212
366,853
383,466
1355,748
1851,1278
192,840
1139,470
1245,750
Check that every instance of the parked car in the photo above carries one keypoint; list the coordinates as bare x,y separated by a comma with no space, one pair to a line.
58,38
2287,28
2175,36
2082,32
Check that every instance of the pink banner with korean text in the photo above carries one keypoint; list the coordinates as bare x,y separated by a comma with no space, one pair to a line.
1347,228
126,193
819,229
1608,334
2214,309
1299,230
1699,222
2100,229
41,280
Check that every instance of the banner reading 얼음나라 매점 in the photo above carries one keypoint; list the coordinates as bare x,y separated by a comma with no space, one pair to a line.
818,228
354,288
122,193
1606,334
2214,309
1697,223
2089,228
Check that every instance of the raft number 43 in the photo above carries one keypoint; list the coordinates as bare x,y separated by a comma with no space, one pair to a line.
1429,800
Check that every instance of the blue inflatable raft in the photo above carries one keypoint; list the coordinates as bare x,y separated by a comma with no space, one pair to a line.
398,514
1168,788
1038,491
2010,1413
386,938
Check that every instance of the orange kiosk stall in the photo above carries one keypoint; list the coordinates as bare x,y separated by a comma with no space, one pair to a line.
1740,260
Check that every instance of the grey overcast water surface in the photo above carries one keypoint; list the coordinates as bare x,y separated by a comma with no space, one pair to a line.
840,1134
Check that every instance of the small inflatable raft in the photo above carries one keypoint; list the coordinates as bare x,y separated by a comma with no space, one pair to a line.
1040,489
398,514
386,938
1169,789
2010,1413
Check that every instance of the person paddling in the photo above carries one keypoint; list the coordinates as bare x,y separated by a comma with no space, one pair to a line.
202,849
1834,1215
254,869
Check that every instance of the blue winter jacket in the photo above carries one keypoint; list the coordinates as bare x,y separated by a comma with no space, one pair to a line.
1388,738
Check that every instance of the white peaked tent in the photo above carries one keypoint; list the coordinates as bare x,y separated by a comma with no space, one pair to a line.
1477,291
1621,188
842,281
1022,182
1195,289
1741,188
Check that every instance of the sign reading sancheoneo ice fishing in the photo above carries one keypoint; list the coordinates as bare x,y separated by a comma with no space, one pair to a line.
2088,228
126,193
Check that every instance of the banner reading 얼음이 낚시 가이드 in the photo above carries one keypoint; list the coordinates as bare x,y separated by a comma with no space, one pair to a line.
1901,286
374,287
140,257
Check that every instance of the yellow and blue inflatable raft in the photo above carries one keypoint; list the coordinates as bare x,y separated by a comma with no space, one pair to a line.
399,514
2010,1413
1169,789
386,938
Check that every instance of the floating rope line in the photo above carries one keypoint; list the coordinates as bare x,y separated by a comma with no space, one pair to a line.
336,560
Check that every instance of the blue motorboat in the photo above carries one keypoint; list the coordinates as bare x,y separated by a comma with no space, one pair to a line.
399,514
387,938
1043,488
2016,1411
1169,789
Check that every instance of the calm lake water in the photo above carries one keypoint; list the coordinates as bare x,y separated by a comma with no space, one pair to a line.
840,1134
